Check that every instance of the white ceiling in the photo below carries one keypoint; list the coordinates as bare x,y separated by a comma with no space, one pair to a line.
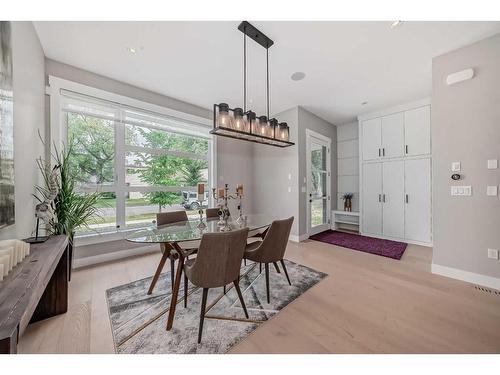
346,63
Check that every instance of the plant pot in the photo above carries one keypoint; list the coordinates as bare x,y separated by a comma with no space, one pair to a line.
348,205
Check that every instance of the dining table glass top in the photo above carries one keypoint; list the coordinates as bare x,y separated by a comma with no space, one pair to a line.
189,231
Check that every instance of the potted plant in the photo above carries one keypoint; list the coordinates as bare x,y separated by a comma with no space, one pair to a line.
347,197
71,208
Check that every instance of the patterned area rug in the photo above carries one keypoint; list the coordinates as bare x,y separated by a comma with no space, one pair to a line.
385,248
138,321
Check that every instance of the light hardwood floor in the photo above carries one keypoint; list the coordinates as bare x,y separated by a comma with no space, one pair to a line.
367,304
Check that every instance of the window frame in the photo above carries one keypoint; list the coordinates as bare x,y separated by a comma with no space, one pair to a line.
58,138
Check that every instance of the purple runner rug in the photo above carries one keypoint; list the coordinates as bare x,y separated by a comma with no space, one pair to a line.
385,248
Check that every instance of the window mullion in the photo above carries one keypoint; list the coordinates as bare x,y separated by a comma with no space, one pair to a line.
120,171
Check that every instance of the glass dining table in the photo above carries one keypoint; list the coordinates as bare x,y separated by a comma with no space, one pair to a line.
184,235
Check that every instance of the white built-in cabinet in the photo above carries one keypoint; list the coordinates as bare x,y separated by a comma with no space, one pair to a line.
395,164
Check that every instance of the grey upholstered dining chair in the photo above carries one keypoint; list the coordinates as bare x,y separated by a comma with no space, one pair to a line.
164,218
217,264
272,248
212,213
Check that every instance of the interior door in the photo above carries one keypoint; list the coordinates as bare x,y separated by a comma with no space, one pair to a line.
372,139
372,198
418,200
418,131
392,135
318,182
393,175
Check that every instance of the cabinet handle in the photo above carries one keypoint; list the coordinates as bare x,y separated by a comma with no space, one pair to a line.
406,149
380,197
406,198
383,198
379,152
383,151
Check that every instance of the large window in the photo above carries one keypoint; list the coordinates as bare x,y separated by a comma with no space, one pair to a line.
142,162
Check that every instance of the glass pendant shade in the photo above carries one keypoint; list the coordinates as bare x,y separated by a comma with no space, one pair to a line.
239,122
224,119
273,126
262,127
283,133
252,120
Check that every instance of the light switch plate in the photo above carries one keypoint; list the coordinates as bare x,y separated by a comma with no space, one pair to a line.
493,254
492,191
455,166
464,191
493,164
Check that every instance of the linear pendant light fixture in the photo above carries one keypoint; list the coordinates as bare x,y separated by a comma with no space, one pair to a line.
242,124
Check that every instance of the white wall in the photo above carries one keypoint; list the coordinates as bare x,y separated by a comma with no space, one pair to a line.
466,128
29,119
235,166
348,163
275,171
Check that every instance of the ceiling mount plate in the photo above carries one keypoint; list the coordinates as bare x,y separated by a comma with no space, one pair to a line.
253,33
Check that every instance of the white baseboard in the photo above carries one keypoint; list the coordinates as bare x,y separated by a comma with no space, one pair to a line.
300,238
470,277
106,257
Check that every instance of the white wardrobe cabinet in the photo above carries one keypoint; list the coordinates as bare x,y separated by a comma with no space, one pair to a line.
418,200
372,198
372,139
392,135
417,131
393,193
396,173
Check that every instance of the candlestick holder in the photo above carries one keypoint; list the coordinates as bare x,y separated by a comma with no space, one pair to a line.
241,219
201,225
223,209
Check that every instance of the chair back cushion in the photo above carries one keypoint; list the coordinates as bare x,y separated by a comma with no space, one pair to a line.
274,244
164,218
219,258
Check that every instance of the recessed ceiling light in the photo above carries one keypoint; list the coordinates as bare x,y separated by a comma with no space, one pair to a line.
364,103
298,76
131,49
396,24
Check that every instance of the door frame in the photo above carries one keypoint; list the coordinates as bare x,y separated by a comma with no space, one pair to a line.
310,134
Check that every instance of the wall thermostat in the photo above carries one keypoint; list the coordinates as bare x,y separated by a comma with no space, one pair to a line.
456,176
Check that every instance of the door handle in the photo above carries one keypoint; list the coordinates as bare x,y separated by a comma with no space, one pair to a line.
406,198
406,149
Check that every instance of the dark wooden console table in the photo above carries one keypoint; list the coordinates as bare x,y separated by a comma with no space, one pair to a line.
36,289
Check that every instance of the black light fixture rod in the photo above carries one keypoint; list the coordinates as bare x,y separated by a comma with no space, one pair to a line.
244,72
267,79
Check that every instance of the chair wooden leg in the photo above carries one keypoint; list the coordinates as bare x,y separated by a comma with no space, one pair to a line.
185,290
267,282
172,271
202,314
260,267
240,296
224,288
284,269
276,267
245,262
158,272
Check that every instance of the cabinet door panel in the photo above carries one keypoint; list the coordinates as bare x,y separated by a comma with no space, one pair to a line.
393,212
418,131
372,206
371,139
393,135
418,200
